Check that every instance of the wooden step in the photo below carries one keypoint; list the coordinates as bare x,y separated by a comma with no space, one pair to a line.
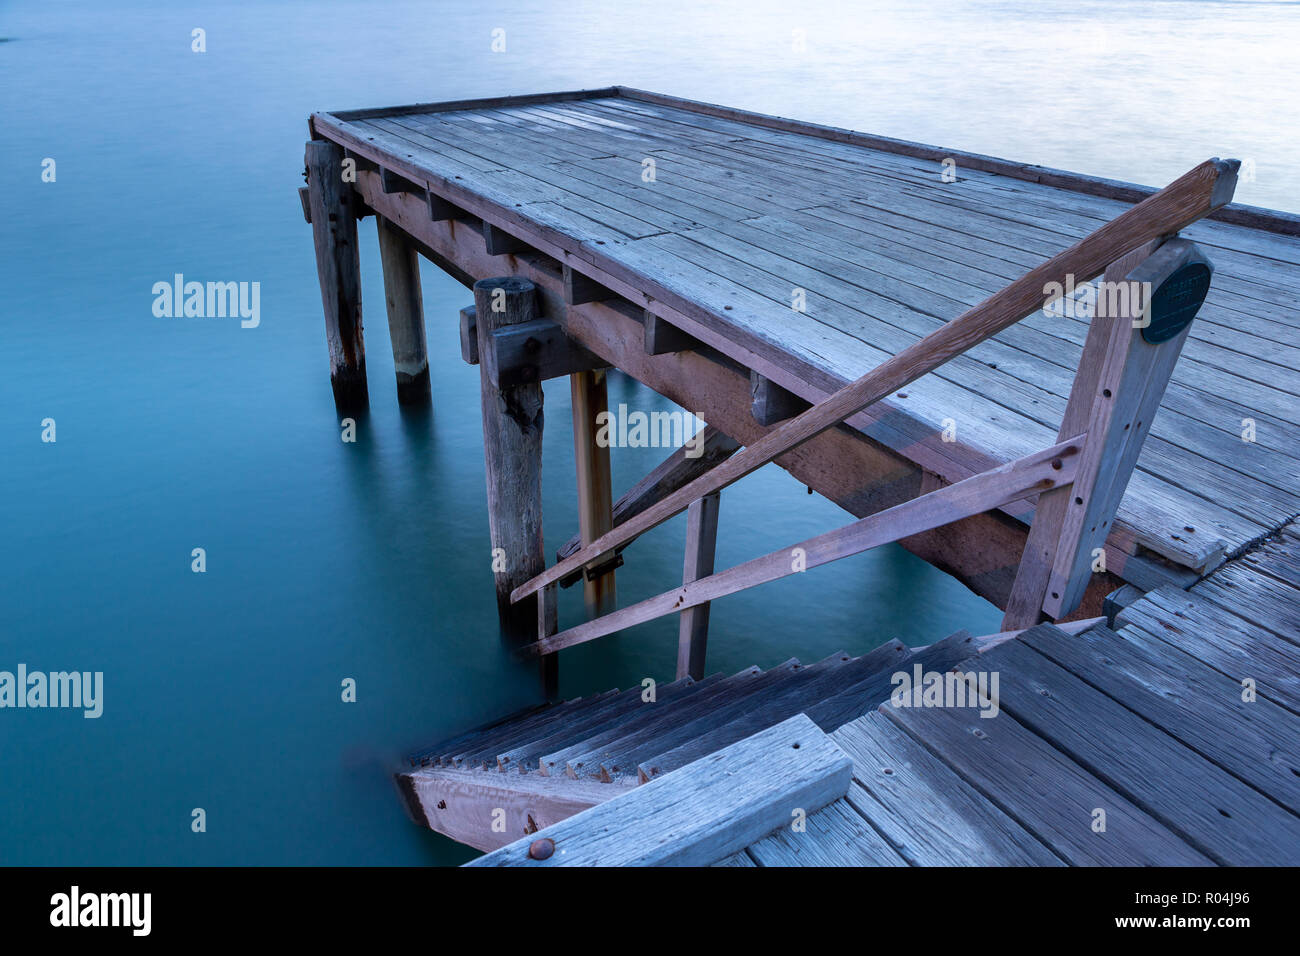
429,755
525,757
560,761
850,704
607,704
621,758
512,732
588,762
773,708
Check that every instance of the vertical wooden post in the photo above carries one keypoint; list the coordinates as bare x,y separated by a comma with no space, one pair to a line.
338,266
512,448
701,544
590,398
1116,394
405,304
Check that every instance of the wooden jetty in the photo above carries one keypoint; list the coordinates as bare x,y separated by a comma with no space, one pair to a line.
967,354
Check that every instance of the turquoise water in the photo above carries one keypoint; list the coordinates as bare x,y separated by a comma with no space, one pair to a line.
328,561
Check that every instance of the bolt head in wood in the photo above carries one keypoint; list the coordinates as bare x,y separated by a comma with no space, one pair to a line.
541,849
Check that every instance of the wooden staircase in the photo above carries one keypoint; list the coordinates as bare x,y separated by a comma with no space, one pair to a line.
490,786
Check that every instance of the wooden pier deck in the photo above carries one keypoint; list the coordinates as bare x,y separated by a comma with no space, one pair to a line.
968,355
714,220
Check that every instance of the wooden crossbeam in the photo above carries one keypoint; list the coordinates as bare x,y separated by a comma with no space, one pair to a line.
1039,472
1189,198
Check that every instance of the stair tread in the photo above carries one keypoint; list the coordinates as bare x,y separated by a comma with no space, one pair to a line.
426,755
557,760
525,756
851,703
622,756
773,708
561,714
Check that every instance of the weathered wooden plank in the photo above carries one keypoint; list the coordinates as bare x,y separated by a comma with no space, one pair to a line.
1256,741
1257,598
704,812
1231,645
582,757
612,714
476,750
778,703
1201,802
851,703
833,836
1046,793
933,816
1282,222
611,757
490,810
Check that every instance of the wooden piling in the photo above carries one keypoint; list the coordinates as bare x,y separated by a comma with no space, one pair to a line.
590,399
405,303
701,544
512,449
338,266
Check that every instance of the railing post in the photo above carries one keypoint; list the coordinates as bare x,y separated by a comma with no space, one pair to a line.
701,544
1144,308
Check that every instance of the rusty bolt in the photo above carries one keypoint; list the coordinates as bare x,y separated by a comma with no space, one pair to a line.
541,849
1056,464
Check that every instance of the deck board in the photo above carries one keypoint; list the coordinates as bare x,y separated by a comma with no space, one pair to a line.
740,214
1150,723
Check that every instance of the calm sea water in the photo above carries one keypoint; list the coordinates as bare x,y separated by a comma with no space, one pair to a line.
328,561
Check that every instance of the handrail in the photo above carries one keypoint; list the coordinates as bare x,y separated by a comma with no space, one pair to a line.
1190,197
1042,471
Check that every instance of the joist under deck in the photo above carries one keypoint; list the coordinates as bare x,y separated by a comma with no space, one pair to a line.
796,257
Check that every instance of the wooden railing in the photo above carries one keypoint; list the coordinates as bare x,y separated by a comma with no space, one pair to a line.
1125,366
